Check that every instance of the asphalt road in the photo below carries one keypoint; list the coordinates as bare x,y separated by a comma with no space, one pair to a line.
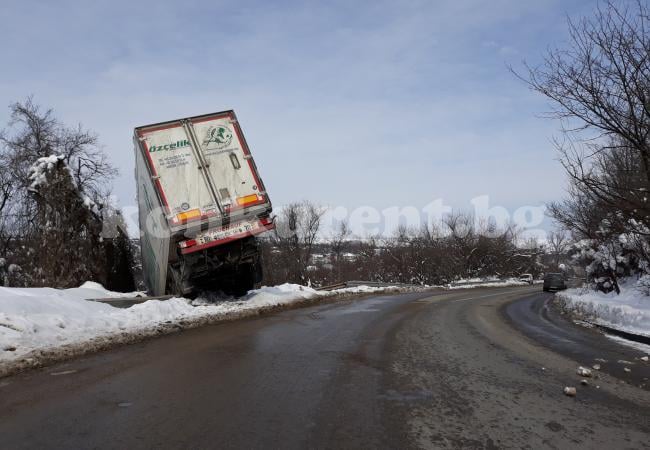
478,368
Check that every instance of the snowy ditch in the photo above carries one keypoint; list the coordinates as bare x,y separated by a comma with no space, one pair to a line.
41,325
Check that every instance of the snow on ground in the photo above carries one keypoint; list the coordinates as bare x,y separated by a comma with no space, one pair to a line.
629,311
643,348
37,324
487,282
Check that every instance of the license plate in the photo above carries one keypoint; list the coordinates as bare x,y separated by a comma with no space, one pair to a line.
226,232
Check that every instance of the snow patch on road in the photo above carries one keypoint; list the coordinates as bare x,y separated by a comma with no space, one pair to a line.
629,311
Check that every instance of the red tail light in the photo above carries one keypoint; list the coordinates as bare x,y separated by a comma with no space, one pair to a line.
188,243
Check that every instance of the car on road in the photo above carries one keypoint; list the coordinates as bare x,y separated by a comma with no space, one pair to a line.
526,278
554,282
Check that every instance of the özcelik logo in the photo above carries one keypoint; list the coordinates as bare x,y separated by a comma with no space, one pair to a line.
218,135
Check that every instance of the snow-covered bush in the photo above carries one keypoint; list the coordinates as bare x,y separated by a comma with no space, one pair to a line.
614,254
643,285
38,172
11,274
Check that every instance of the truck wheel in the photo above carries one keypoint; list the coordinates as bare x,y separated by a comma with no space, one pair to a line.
245,279
175,285
172,287
259,274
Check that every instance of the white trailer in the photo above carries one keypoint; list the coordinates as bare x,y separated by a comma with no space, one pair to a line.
201,203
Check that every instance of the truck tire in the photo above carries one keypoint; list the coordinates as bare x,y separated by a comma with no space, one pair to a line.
259,273
245,279
175,286
172,288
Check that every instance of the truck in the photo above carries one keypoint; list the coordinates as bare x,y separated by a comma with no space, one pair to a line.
202,204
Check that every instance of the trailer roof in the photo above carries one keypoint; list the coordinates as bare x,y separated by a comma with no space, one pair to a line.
227,111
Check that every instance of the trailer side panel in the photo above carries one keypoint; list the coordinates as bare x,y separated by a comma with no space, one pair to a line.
154,231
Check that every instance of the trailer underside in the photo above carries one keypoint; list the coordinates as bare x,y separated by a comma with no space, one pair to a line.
233,268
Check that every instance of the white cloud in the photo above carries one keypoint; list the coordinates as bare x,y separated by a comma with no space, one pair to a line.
343,103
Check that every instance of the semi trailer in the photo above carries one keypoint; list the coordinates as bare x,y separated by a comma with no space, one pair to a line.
201,205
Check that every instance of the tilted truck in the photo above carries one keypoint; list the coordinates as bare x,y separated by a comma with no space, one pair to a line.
201,203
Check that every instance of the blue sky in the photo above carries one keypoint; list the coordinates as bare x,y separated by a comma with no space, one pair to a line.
344,103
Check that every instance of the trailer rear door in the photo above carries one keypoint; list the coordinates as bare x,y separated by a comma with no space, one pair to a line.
178,172
229,162
202,167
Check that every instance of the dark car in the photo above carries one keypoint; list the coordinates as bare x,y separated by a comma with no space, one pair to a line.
554,282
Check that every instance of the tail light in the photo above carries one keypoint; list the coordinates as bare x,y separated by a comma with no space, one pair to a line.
187,215
248,199
187,244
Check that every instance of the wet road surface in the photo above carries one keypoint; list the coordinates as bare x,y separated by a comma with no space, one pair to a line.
475,368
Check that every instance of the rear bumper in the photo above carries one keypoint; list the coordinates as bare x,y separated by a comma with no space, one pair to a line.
258,229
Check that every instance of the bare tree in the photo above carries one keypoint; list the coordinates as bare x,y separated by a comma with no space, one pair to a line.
428,255
53,183
338,244
297,228
601,81
558,243
7,192
35,133
599,87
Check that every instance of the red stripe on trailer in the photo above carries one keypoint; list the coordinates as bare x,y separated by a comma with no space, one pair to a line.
155,173
246,150
215,117
234,237
146,130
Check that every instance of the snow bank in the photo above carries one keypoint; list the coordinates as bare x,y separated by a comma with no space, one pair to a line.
40,324
38,318
629,311
488,282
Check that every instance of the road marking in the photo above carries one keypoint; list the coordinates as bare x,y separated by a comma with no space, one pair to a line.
489,295
433,299
65,372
